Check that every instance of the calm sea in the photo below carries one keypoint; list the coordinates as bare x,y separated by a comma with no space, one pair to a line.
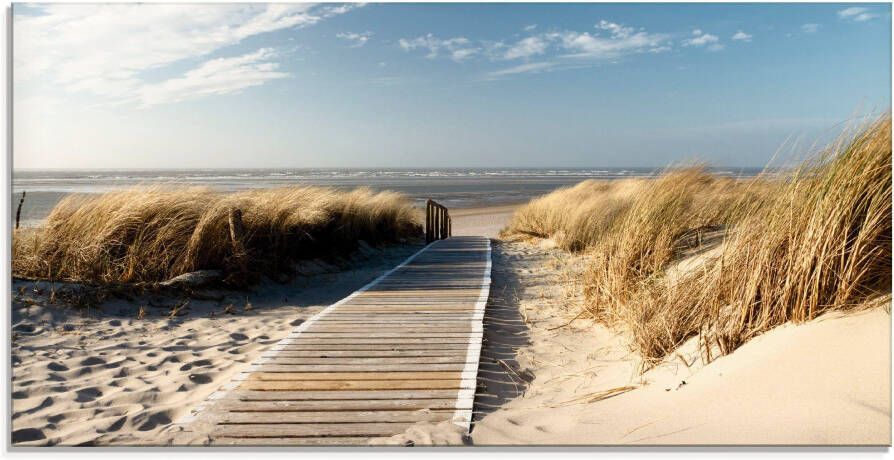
455,188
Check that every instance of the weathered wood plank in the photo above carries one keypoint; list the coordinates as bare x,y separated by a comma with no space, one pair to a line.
339,405
393,395
358,367
309,430
259,442
336,416
317,346
286,360
374,341
375,375
333,385
362,354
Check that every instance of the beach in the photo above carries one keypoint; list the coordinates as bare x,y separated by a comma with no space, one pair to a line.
108,377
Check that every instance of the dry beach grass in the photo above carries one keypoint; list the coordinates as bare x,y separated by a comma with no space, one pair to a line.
787,248
155,233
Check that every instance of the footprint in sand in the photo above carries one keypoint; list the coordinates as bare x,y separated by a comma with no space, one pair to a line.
200,378
27,434
154,420
57,367
238,337
92,361
88,394
196,363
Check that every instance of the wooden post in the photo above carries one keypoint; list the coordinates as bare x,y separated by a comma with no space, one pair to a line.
19,210
437,222
428,219
449,225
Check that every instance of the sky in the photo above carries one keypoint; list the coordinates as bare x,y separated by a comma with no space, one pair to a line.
440,85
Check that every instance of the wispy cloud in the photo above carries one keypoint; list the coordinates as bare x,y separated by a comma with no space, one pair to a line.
742,36
356,39
531,67
530,27
217,76
810,28
106,50
856,14
457,48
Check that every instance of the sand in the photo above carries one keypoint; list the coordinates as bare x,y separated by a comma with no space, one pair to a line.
104,376
824,382
486,221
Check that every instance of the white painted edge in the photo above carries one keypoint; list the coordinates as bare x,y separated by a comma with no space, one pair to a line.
465,398
234,383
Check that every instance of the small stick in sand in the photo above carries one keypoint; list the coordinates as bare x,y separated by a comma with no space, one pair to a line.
19,210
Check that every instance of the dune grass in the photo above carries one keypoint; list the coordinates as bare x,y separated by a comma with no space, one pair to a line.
152,234
793,246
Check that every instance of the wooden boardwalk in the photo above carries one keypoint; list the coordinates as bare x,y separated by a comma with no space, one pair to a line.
403,349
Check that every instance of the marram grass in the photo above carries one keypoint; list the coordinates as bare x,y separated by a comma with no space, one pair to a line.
150,234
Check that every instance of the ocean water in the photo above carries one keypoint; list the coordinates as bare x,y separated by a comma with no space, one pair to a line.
452,187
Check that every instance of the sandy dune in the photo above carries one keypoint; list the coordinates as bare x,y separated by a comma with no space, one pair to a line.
825,382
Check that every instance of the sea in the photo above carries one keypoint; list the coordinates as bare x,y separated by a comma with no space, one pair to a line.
452,187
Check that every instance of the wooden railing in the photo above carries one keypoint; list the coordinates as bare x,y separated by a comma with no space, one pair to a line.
438,225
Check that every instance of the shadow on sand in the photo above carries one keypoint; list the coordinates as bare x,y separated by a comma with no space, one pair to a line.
500,378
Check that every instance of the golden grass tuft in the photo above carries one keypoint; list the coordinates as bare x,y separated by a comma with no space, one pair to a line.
793,246
155,233
824,243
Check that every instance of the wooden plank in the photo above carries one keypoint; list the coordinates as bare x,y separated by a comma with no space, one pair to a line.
358,367
317,346
339,405
455,359
394,395
375,375
392,341
261,442
394,353
336,416
381,335
310,430
334,385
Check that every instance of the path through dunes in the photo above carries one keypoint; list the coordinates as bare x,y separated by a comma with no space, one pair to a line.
401,350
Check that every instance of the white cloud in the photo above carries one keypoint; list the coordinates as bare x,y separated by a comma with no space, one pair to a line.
530,27
458,48
106,49
856,13
700,39
620,41
742,36
217,76
526,48
810,28
356,39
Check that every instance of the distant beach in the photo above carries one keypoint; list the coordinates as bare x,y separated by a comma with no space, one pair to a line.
453,187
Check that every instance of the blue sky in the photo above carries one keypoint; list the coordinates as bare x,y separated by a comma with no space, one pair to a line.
440,85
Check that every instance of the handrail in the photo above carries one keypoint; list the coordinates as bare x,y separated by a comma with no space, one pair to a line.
438,225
